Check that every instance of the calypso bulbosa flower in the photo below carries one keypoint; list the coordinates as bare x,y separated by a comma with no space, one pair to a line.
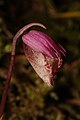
43,53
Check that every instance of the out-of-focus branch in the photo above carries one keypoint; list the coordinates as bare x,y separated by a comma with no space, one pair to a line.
7,32
65,15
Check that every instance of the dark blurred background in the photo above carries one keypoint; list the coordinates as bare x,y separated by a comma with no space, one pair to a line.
29,98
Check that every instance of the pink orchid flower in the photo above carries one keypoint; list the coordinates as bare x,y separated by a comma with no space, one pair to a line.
43,53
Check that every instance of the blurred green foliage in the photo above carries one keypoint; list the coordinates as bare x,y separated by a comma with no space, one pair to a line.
28,97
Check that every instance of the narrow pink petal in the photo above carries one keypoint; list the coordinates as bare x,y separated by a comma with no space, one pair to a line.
42,43
35,42
62,50
46,40
56,46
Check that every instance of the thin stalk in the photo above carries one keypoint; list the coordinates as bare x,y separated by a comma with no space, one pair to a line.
9,74
3,101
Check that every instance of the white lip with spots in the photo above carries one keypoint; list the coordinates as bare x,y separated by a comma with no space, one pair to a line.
44,66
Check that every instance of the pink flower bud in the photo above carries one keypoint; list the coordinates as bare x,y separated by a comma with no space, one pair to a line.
43,53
